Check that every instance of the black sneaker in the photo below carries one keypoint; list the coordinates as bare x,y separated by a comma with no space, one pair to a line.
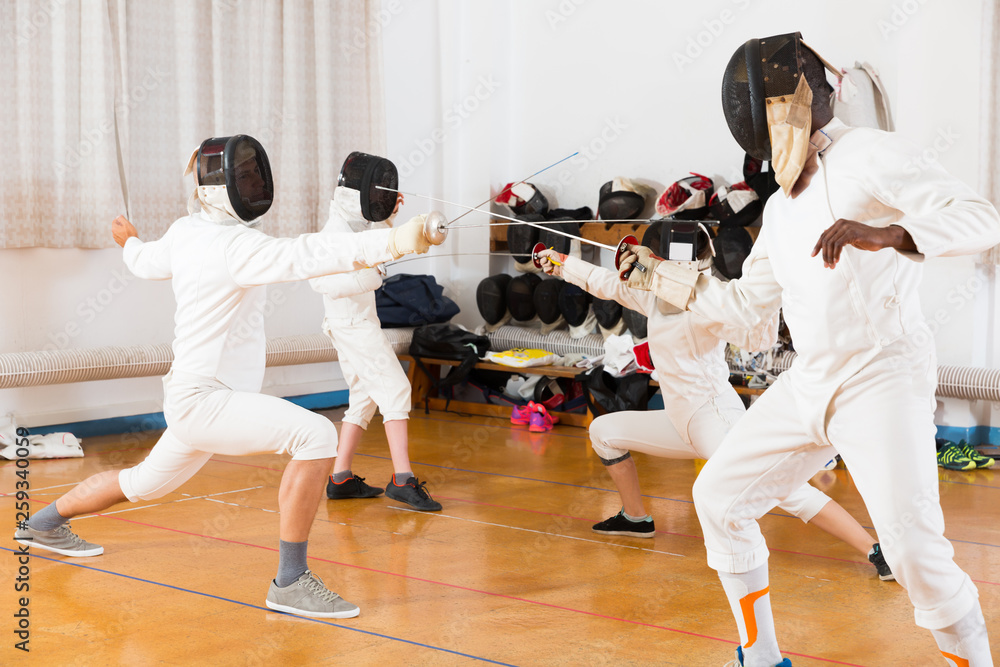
876,558
354,487
413,494
619,524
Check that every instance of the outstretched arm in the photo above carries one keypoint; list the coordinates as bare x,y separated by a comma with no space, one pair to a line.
150,261
600,282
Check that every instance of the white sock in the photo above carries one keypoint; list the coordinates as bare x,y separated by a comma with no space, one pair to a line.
965,642
635,519
751,604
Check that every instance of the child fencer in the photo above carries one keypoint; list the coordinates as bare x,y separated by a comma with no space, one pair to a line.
840,253
218,267
700,405
373,373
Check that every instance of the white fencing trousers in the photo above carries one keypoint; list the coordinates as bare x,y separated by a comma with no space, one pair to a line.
652,433
881,422
373,373
206,418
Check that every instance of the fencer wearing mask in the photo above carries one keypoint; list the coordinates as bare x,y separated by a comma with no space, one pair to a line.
840,252
700,405
218,267
367,360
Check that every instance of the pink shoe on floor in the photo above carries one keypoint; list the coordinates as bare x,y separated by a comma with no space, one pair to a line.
541,420
521,414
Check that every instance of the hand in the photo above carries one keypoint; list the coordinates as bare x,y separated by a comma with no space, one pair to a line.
633,276
409,238
861,236
123,230
548,259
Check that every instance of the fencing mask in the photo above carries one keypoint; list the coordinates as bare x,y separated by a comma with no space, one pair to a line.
636,323
768,103
520,296
620,199
690,194
737,206
574,304
363,172
609,317
234,178
523,199
546,298
732,247
491,298
521,240
559,242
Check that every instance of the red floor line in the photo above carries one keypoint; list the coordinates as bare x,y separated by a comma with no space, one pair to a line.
468,589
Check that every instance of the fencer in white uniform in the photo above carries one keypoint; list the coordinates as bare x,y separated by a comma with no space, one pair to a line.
218,268
700,405
841,254
373,373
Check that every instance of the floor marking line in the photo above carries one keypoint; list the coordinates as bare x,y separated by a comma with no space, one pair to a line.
254,606
541,532
166,502
467,589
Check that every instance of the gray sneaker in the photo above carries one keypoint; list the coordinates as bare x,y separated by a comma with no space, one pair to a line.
308,596
62,540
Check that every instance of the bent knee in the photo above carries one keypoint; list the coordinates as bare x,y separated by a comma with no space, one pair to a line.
317,439
601,432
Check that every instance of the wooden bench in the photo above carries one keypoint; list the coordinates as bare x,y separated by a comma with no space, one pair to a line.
423,392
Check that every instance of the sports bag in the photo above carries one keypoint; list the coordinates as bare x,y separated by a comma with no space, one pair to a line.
407,300
447,341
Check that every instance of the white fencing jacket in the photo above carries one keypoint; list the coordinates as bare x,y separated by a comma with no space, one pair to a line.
841,318
218,273
688,351
348,297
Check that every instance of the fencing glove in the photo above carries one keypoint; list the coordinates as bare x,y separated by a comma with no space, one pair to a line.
409,238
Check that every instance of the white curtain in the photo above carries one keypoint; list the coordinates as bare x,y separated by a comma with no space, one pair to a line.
80,79
991,110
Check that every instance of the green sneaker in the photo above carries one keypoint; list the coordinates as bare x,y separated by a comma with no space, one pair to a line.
981,460
952,457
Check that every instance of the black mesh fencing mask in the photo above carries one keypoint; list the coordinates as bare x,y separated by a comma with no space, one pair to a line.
609,314
364,172
240,164
652,235
574,304
491,298
521,239
521,296
547,304
635,321
559,242
737,206
760,69
732,247
619,204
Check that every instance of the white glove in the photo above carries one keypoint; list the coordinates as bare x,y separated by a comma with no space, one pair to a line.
409,238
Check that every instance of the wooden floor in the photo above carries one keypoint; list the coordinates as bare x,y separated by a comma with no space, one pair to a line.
508,573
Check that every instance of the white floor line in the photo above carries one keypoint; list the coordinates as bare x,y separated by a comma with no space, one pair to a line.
249,507
540,532
57,486
168,502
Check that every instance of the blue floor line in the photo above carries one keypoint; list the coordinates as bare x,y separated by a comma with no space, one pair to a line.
253,606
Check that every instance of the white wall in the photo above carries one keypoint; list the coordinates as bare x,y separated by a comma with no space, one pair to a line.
481,93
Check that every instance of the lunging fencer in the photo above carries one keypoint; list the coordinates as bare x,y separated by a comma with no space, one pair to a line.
700,405
840,253
219,266
367,360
